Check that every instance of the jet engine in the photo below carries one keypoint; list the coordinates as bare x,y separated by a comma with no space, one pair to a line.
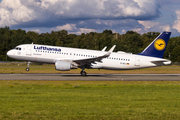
64,66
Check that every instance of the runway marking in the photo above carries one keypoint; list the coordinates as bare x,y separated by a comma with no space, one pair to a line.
93,77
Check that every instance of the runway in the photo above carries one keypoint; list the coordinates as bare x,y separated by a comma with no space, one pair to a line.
93,77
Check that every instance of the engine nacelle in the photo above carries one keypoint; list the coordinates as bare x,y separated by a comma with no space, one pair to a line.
62,65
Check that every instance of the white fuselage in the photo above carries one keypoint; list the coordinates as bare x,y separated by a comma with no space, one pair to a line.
50,54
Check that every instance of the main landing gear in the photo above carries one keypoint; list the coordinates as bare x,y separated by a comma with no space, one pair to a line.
28,65
83,73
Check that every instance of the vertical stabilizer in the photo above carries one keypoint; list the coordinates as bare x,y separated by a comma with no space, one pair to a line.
158,46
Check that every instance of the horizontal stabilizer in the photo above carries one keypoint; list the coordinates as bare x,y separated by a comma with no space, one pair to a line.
161,61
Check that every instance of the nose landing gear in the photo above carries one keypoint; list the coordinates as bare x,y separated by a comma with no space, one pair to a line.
28,65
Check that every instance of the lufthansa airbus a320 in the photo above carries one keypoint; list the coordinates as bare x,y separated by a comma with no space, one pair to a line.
66,58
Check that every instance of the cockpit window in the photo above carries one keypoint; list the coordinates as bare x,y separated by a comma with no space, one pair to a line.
17,48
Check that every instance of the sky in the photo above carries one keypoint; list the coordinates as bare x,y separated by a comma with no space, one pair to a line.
84,16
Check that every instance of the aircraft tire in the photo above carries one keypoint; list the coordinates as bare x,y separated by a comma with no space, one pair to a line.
27,69
83,73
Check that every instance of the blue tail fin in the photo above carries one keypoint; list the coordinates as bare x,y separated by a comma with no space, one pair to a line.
158,46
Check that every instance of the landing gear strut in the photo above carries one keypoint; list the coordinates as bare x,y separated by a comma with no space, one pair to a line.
83,73
28,65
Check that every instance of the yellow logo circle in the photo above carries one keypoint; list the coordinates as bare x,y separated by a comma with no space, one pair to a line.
160,44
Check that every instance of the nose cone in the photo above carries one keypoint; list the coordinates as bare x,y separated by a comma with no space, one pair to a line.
9,53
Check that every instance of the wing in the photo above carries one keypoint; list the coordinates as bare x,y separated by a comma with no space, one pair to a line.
88,61
104,48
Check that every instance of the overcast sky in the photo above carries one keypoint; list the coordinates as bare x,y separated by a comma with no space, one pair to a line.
84,16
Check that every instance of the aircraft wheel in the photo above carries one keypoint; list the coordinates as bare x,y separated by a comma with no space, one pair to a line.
83,73
27,69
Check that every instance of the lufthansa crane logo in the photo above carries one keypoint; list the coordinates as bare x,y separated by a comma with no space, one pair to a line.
160,44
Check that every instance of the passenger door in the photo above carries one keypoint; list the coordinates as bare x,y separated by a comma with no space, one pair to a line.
29,50
137,61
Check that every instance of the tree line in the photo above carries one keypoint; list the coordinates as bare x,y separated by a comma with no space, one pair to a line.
131,42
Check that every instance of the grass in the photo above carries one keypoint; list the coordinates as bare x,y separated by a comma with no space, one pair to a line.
20,68
98,100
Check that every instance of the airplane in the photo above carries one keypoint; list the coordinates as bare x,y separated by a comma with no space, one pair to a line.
66,58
